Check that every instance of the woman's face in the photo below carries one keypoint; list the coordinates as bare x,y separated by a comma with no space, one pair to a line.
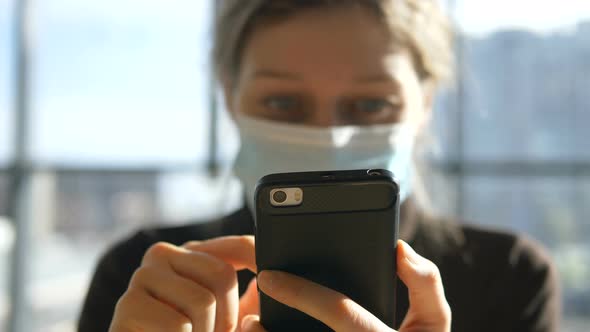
327,68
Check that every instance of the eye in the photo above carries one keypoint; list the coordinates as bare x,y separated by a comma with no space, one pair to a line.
282,103
372,110
372,105
284,108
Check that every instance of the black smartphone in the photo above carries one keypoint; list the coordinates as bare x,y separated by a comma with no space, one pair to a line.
336,228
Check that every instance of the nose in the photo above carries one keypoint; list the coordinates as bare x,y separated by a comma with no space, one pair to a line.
323,116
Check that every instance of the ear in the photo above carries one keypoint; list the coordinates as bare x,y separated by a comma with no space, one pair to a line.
428,95
228,94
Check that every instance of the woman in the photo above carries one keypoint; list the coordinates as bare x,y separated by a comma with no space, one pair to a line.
294,73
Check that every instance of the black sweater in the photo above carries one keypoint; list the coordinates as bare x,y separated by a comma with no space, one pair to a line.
493,281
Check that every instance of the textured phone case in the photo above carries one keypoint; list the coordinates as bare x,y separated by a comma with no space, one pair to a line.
343,236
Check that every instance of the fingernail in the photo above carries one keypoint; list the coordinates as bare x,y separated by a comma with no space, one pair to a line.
411,255
418,262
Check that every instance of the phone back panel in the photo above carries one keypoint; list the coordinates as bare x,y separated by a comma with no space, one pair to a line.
342,236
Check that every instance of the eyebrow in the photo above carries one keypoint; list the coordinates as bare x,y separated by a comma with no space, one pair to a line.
377,78
276,74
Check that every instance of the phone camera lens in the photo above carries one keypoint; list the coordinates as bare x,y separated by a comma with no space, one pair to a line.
279,196
373,172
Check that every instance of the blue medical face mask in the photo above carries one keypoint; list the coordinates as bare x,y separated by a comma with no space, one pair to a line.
273,147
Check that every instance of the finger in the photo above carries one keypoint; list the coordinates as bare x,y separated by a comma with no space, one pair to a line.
332,308
206,270
425,289
181,294
235,250
239,251
249,302
138,311
251,323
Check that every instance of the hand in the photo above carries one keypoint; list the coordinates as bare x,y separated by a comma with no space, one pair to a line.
189,288
428,312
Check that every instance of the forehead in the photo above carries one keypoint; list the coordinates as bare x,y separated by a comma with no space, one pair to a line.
339,43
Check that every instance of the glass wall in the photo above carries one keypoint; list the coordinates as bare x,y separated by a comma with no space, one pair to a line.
120,118
122,136
6,73
512,132
6,229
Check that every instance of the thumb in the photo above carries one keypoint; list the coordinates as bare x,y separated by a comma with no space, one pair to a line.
249,302
251,324
428,305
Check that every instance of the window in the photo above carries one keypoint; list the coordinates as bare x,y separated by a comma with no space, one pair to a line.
6,231
120,116
513,132
121,82
121,135
6,56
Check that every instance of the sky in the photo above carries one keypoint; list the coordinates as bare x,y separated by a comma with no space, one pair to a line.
125,81
117,81
480,17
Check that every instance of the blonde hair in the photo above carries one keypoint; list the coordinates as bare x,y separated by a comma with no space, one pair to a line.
417,25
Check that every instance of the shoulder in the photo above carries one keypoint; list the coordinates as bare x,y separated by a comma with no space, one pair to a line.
510,274
490,252
482,247
506,251
515,248
514,259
